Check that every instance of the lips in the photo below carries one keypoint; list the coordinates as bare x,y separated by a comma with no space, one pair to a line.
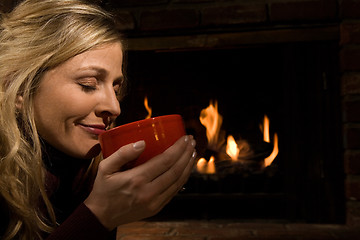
94,129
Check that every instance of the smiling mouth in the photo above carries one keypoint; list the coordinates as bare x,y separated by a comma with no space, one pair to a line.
93,129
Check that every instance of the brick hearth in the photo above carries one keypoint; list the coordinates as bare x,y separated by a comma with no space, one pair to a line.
225,230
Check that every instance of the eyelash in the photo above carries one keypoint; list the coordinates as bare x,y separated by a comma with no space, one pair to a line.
87,88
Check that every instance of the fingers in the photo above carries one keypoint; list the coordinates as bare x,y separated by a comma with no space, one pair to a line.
121,197
172,179
176,177
170,176
168,159
122,156
181,168
169,184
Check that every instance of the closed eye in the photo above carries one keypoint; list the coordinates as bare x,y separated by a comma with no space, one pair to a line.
87,88
88,84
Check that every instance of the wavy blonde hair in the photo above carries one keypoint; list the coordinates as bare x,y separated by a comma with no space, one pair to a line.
36,36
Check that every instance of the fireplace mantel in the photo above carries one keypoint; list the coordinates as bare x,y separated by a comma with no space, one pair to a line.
235,38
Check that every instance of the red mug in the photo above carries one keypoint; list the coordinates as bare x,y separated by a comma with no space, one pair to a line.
159,133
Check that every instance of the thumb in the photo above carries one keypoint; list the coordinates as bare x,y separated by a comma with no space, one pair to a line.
122,156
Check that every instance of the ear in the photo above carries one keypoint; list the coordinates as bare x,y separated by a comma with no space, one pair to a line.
19,102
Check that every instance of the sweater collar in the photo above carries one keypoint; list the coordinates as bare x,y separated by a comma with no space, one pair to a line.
59,163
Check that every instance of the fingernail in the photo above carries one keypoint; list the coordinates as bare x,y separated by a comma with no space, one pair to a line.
186,138
139,145
194,154
193,143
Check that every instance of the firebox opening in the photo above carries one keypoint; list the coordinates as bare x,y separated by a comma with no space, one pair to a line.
295,85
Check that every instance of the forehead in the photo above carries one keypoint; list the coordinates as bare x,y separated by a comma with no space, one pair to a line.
108,56
106,60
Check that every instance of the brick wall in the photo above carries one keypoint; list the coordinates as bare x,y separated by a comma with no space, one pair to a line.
145,18
159,15
350,83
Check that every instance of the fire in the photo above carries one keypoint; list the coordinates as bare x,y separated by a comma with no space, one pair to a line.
206,167
232,149
266,130
201,165
266,133
274,153
236,150
211,165
212,120
148,109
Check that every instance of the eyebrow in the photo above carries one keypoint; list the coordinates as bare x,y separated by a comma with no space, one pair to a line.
102,72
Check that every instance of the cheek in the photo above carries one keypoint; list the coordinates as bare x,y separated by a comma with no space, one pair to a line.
64,112
63,101
47,105
52,110
47,117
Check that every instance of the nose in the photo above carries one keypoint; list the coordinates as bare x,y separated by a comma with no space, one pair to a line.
109,105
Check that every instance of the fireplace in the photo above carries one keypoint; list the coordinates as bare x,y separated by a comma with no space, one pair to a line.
317,137
311,168
294,85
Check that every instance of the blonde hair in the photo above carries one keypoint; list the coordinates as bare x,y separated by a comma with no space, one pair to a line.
36,36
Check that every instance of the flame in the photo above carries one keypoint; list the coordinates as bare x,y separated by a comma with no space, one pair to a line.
201,165
270,159
266,127
148,109
206,167
232,148
211,165
266,132
212,120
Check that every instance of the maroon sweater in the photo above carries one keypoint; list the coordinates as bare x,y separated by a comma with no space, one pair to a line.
81,224
76,220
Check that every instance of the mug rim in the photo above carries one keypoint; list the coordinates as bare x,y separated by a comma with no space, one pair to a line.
141,122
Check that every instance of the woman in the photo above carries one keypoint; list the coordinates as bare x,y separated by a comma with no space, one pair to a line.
61,76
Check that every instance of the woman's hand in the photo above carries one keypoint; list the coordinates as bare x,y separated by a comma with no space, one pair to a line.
120,197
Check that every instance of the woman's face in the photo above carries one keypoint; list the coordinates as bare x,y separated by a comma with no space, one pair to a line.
77,100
